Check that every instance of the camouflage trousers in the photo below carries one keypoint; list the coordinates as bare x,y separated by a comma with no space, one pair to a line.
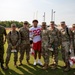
55,53
46,54
1,54
65,52
9,54
24,48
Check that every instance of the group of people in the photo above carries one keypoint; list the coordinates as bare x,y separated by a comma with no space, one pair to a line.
44,40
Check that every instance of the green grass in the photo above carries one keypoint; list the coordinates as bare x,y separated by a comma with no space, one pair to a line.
34,70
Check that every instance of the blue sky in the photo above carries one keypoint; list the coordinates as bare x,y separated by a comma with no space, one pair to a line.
22,10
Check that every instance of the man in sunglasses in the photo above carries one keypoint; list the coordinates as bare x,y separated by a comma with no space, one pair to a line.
25,43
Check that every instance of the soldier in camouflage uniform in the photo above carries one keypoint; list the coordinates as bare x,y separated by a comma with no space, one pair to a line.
66,37
73,35
25,42
2,42
13,40
45,40
54,42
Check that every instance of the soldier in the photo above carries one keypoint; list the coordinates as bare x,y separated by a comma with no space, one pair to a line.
25,43
2,42
13,40
66,37
45,40
73,35
54,42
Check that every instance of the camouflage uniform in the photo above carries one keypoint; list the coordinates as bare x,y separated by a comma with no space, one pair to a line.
73,35
45,43
13,39
25,44
2,34
54,42
65,45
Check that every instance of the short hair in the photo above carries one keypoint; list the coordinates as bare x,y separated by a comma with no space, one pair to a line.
35,21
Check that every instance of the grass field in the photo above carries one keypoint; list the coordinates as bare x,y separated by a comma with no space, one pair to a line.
34,70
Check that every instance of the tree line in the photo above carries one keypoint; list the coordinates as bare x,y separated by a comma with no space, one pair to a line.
7,24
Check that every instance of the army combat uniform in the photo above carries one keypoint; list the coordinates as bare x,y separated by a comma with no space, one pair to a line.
45,44
13,39
54,42
25,44
65,36
73,35
2,34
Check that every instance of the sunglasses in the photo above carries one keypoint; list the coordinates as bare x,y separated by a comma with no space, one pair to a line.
13,26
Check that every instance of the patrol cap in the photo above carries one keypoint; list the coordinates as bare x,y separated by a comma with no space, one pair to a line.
13,25
25,22
52,22
43,23
73,25
63,22
35,21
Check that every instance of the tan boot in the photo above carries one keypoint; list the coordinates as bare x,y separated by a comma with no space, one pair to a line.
15,64
6,67
54,67
45,67
28,62
67,69
43,64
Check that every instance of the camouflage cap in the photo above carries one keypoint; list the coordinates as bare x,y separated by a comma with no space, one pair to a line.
52,22
43,23
63,22
73,25
13,25
26,22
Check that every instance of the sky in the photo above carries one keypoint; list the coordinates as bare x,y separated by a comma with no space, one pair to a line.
27,10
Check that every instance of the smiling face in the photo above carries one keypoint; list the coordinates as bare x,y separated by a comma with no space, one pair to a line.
13,27
63,25
25,25
52,24
73,26
35,24
44,25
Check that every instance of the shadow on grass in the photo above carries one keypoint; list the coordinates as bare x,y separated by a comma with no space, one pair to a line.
30,70
10,72
37,70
